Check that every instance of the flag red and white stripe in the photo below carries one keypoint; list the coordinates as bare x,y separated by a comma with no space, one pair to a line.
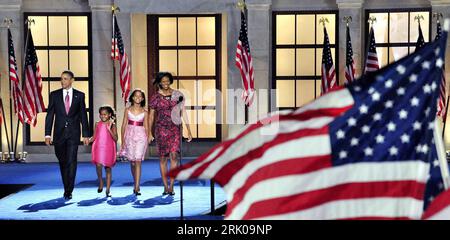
118,53
441,111
372,64
349,63
439,208
328,71
14,78
245,64
33,102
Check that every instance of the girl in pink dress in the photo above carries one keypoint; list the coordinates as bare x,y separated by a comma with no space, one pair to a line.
134,135
104,147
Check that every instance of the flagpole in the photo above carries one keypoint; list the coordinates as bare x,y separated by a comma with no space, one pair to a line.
114,8
445,117
8,22
28,23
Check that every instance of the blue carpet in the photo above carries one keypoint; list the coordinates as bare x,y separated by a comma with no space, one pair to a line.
43,199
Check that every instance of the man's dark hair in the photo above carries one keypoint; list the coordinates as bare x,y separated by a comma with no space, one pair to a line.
70,73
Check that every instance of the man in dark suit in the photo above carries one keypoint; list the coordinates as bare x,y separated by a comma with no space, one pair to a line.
67,107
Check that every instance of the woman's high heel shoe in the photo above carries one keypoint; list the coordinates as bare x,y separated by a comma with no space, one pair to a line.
99,190
107,193
137,193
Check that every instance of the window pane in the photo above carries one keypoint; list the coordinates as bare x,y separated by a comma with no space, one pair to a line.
285,29
79,60
318,87
58,62
414,26
57,31
330,28
206,31
39,30
319,60
207,90
285,62
167,28
206,62
411,49
168,61
382,53
45,93
78,31
42,56
83,86
304,25
380,27
207,126
189,89
398,27
395,53
187,61
192,120
186,31
305,91
54,85
37,133
305,62
285,93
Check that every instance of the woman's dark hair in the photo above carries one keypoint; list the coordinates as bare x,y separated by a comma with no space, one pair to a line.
110,110
130,99
159,77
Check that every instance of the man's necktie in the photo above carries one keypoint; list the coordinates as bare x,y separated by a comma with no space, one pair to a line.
67,102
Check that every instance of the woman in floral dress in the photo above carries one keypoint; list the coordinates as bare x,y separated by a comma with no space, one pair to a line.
165,113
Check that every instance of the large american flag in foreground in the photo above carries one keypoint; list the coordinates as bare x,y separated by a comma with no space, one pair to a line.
33,102
118,53
363,151
328,71
244,63
371,56
14,78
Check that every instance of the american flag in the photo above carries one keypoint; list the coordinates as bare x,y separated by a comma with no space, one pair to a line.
328,72
442,94
372,57
14,78
363,151
33,103
349,63
420,41
244,63
118,53
440,208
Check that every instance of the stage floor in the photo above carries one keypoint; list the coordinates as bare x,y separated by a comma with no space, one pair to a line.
43,199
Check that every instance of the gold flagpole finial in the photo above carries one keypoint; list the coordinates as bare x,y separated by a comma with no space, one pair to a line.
372,20
7,22
418,18
115,9
438,16
323,20
241,5
347,20
29,22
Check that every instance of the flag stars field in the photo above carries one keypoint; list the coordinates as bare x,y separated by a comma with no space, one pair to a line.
413,78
